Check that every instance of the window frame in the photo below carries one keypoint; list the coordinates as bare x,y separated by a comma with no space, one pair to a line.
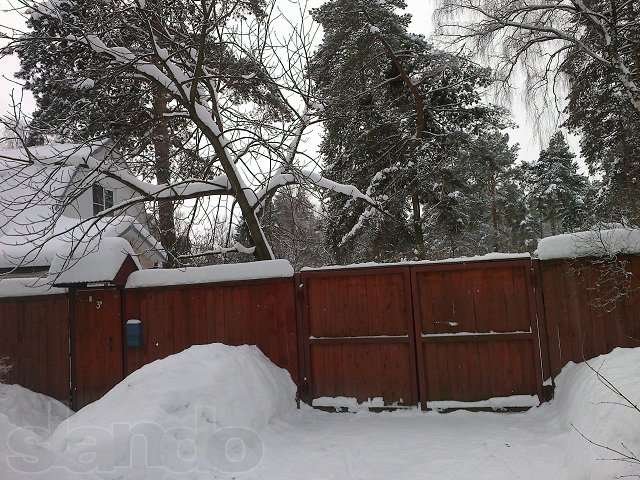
102,198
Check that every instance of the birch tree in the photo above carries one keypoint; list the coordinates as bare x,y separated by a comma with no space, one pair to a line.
542,36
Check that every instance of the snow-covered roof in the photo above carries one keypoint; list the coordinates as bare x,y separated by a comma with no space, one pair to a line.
30,193
211,274
591,243
38,243
91,262
493,256
52,153
27,287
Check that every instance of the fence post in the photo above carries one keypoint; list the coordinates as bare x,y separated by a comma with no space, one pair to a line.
415,334
303,338
543,330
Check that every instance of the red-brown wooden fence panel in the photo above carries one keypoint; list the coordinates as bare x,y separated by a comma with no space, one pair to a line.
35,338
579,325
96,344
357,334
256,312
476,330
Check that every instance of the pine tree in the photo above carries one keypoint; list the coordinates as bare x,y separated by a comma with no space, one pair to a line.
480,203
513,207
396,108
491,161
557,190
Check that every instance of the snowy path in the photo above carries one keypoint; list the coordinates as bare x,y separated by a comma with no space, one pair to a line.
460,445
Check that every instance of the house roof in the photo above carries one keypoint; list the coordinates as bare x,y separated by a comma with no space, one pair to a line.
32,198
38,245
52,153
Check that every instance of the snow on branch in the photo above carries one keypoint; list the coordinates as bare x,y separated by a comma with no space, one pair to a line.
364,216
180,190
219,250
369,212
310,177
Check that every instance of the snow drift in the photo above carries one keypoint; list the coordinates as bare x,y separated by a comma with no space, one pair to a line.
183,409
27,415
204,399
21,407
592,413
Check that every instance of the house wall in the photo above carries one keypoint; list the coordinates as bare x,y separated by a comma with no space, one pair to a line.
82,206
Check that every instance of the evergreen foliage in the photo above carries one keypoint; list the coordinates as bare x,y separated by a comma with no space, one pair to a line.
371,140
557,190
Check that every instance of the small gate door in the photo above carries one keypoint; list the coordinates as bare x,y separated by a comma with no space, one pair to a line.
96,343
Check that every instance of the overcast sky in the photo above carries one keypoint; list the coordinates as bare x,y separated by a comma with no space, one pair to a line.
421,10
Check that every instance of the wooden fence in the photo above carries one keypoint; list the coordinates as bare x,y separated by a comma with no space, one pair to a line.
581,319
34,336
407,333
259,312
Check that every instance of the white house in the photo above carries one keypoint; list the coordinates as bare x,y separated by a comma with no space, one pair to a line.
47,208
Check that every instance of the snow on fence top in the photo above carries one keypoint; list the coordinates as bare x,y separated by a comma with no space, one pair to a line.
98,260
27,287
477,258
211,274
592,243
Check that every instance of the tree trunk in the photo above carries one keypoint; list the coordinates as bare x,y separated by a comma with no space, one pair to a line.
554,227
418,232
161,143
494,214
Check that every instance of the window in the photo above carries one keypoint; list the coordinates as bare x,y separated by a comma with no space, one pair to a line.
102,198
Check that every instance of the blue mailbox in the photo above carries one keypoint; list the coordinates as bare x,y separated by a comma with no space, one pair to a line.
134,333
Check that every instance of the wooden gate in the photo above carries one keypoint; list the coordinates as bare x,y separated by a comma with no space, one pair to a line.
96,344
357,334
476,330
420,333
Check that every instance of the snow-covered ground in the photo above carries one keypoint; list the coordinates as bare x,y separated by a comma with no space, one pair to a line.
226,412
